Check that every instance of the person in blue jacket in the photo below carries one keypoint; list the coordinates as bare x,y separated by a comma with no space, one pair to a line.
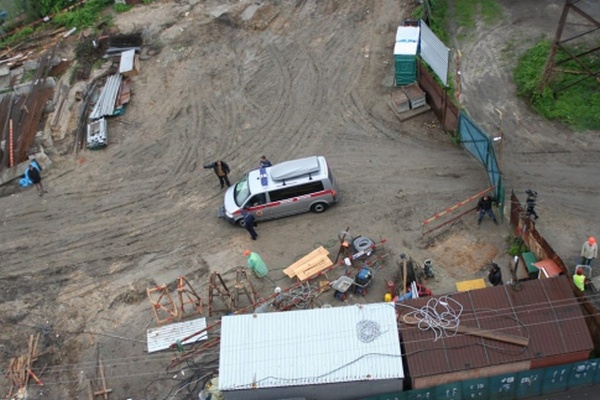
264,162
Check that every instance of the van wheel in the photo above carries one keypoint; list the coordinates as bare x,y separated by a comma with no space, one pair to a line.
318,208
240,223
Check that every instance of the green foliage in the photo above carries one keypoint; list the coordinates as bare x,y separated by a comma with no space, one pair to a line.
37,9
566,97
516,246
147,1
82,17
455,137
120,8
437,18
17,37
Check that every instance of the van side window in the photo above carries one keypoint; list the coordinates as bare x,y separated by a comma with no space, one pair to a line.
296,191
257,200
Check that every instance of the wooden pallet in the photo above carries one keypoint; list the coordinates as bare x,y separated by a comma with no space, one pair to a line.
309,265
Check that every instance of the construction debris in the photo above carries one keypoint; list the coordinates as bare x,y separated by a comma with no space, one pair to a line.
20,369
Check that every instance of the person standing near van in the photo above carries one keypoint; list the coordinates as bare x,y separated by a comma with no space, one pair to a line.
256,264
221,170
264,162
249,224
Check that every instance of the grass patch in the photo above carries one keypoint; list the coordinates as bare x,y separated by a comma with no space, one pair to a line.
566,97
466,12
121,8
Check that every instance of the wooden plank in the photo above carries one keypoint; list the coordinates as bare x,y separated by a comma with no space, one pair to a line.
473,284
104,390
471,330
301,264
323,263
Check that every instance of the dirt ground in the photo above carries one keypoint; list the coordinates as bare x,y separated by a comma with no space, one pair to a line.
288,79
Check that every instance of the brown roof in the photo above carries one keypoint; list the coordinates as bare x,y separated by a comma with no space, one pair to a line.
544,310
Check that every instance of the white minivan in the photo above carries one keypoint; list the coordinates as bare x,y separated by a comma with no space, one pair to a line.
287,188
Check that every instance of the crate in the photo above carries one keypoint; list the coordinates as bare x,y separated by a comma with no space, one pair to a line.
399,101
415,95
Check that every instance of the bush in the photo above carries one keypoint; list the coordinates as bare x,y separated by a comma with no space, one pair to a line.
516,246
83,16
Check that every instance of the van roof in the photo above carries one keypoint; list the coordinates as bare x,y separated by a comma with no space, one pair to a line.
286,173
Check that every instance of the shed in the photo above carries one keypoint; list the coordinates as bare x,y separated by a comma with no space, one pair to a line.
334,353
405,54
545,312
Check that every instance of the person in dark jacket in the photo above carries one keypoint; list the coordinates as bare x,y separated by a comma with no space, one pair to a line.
531,202
495,275
221,170
264,162
35,177
485,207
249,224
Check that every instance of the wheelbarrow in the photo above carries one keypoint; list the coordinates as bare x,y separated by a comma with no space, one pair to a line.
341,286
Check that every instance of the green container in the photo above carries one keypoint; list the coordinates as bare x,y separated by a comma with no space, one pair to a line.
406,69
449,391
529,384
476,389
503,387
555,379
583,373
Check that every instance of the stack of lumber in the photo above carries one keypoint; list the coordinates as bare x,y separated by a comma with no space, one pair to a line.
311,264
19,368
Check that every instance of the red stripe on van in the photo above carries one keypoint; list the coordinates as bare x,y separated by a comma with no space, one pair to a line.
292,200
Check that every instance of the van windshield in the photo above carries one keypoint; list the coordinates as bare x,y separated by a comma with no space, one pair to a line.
241,192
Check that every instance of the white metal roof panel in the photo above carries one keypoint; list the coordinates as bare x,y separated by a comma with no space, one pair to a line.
435,53
407,40
163,337
407,34
127,60
406,48
309,347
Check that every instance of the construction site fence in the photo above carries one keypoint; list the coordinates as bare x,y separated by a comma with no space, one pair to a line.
441,103
524,228
473,138
517,385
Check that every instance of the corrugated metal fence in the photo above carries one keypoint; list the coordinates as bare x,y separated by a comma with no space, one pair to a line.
518,385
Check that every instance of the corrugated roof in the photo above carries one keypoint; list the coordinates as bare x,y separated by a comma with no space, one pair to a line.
309,347
545,311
